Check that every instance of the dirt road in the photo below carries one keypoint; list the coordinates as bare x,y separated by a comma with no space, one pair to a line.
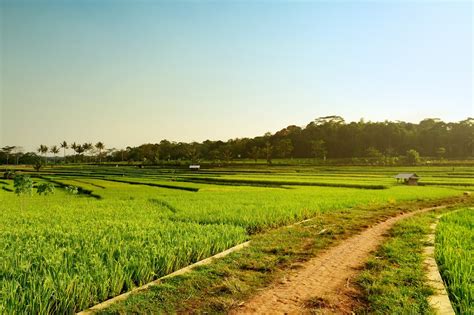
322,282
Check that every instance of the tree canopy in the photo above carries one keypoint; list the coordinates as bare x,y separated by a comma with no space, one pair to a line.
328,137
325,137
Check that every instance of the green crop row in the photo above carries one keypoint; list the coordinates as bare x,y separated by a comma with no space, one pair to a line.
80,186
64,253
161,184
259,182
455,257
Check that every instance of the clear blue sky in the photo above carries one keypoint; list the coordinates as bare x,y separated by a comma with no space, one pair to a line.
131,72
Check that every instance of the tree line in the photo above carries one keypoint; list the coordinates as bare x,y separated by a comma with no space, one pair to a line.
324,138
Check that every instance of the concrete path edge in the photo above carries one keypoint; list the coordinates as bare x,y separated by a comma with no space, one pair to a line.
181,271
439,301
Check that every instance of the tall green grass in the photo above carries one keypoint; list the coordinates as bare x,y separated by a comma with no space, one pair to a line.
62,253
394,280
455,256
75,252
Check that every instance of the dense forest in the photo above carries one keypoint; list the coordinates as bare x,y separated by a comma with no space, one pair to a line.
324,138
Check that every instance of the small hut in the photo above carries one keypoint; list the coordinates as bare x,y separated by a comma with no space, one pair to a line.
408,178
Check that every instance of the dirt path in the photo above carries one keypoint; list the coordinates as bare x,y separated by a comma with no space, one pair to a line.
322,282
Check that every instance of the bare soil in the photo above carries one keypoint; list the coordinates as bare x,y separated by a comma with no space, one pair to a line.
322,285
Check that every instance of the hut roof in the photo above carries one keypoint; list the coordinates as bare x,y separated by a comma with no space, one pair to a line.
406,176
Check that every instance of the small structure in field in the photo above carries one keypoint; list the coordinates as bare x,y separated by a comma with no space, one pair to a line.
408,178
194,167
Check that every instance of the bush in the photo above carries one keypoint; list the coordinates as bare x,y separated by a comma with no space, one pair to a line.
23,185
413,157
38,165
45,189
72,190
9,175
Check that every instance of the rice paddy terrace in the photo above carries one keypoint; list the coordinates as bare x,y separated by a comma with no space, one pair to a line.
63,253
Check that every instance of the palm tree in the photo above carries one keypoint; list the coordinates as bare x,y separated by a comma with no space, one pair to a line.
64,146
74,147
55,150
43,149
87,147
80,149
100,146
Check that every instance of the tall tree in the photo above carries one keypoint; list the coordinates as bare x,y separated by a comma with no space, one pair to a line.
7,150
17,153
227,156
268,151
64,146
192,153
43,149
413,157
79,149
284,148
87,148
318,149
100,146
255,153
55,150
74,147
440,152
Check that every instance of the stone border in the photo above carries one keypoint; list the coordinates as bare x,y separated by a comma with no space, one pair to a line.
439,301
187,269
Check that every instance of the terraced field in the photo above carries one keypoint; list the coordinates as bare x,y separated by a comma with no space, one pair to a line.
64,253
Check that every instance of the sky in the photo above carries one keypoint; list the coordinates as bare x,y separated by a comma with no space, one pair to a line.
133,72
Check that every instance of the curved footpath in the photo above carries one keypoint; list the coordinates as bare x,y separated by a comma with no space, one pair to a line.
324,279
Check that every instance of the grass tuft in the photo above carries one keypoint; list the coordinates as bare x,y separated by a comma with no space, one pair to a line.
393,281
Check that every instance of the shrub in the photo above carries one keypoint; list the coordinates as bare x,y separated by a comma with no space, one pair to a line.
413,157
9,175
23,185
45,189
72,190
38,165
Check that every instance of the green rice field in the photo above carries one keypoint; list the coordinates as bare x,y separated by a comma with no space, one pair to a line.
455,257
64,253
